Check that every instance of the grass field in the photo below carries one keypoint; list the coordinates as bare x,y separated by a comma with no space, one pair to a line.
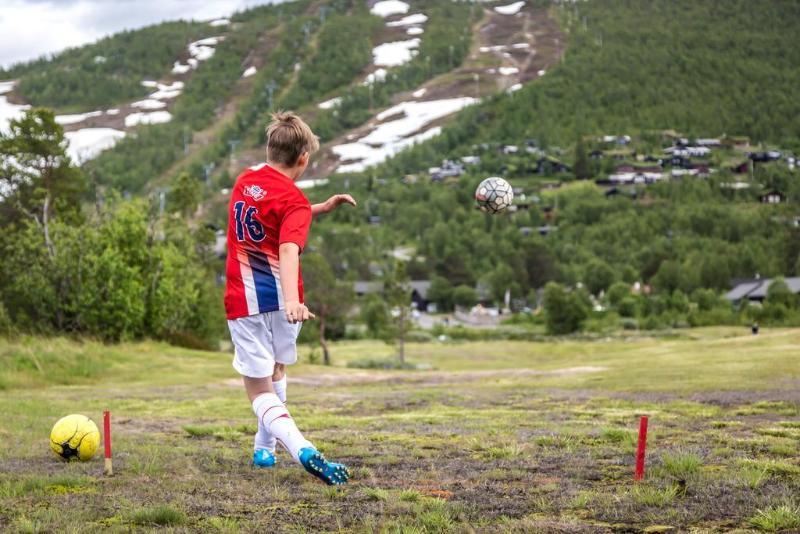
495,436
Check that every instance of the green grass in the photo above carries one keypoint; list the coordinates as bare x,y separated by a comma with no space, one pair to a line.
38,485
774,467
219,432
376,494
781,518
619,435
653,496
497,437
681,465
753,476
158,515
729,357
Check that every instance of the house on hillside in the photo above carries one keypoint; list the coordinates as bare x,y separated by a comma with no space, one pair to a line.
755,290
772,197
736,141
617,139
678,161
419,291
688,151
550,165
419,294
764,157
710,142
546,230
449,169
628,174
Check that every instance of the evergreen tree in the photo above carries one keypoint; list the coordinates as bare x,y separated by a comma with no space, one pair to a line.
580,167
185,195
36,174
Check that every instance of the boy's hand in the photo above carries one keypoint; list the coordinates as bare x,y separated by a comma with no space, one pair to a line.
297,312
336,200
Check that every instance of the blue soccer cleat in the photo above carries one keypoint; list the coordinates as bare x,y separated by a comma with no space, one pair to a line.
263,458
316,464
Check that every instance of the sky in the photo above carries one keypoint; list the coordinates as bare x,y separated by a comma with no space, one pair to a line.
31,28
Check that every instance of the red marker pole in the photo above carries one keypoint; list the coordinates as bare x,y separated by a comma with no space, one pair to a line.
107,468
639,475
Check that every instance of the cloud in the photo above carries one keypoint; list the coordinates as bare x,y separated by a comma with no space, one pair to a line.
32,28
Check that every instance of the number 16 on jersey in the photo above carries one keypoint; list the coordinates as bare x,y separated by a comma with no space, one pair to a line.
245,217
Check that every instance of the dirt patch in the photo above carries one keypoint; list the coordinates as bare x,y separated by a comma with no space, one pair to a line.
438,378
423,378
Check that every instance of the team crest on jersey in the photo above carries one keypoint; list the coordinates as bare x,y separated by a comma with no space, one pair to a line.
255,192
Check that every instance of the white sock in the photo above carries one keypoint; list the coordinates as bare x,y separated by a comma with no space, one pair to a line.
264,439
280,389
275,417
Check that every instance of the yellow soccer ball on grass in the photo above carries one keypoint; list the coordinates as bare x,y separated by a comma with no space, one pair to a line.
75,436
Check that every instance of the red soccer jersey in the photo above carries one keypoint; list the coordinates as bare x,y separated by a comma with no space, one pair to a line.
266,209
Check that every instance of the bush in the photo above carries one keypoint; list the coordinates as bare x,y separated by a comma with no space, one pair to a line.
564,311
628,306
603,323
617,292
464,296
111,278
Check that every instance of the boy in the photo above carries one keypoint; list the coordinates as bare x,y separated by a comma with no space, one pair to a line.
269,219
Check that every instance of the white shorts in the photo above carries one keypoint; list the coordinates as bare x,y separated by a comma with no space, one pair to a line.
262,340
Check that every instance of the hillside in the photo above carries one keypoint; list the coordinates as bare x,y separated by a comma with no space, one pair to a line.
650,148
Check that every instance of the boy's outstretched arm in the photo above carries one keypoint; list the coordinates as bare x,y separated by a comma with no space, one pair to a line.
331,204
289,267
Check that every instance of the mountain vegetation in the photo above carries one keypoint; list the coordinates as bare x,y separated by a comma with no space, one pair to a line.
107,72
643,256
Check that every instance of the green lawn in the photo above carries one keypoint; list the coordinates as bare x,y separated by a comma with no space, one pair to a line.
503,436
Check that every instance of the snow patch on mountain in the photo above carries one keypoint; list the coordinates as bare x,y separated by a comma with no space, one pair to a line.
309,184
508,71
167,91
387,8
149,103
87,143
416,18
396,53
398,134
378,76
328,104
9,111
510,9
155,117
76,118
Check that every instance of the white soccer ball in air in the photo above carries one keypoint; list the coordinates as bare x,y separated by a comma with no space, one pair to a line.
494,194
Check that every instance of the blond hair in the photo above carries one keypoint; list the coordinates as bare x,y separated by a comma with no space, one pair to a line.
288,136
